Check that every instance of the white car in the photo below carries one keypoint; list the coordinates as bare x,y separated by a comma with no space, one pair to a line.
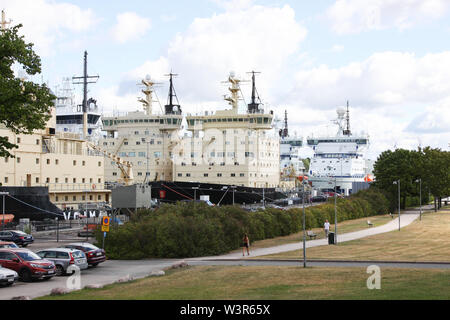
7,276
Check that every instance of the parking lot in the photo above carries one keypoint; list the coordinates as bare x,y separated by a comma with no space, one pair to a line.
105,273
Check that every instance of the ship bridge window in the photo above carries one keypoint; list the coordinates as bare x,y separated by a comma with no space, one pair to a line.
169,121
266,120
161,121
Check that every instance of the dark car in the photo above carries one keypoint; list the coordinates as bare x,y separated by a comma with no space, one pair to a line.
27,264
319,199
18,237
93,254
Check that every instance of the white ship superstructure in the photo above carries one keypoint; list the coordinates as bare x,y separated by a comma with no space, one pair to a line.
291,162
229,147
69,114
146,139
339,159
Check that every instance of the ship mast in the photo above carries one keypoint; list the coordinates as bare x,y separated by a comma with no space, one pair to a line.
171,108
85,83
253,107
148,91
234,89
3,23
347,131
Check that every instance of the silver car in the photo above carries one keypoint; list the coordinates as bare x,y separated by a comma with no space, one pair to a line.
63,258
7,276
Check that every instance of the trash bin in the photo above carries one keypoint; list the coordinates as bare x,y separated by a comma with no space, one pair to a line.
331,238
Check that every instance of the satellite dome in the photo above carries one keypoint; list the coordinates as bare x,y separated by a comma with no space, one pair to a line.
232,74
148,77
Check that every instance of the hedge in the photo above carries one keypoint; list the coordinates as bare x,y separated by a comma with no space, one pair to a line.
186,229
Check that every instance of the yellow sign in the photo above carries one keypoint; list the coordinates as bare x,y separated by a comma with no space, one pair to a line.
105,228
106,220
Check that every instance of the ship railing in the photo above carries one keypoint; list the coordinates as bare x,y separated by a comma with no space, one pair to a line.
78,187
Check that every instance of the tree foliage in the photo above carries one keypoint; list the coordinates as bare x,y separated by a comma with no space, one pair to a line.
195,229
432,166
24,105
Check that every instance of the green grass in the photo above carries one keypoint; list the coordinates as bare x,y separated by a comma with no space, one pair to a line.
426,240
274,283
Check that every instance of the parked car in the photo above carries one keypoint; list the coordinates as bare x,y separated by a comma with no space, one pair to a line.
18,237
27,264
319,199
63,258
8,277
8,244
93,254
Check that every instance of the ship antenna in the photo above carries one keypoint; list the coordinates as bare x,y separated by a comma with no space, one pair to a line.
170,107
347,130
253,107
286,132
85,83
3,23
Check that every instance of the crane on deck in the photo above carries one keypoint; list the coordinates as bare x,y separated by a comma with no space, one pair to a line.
126,168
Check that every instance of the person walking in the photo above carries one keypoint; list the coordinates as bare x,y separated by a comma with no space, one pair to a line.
245,244
326,227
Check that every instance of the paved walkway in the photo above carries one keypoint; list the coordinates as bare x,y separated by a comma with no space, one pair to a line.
405,220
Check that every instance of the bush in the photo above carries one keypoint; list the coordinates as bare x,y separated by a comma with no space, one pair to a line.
188,229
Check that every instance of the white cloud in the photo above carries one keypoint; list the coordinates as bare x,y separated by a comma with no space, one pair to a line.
258,38
46,22
387,78
355,16
130,26
337,48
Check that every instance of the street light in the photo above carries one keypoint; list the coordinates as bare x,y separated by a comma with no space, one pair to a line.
195,192
304,225
420,196
398,182
4,194
335,207
234,188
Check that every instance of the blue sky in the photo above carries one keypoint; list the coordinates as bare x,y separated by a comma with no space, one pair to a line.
390,58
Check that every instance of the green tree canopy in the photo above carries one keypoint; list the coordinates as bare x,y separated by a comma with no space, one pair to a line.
24,105
432,166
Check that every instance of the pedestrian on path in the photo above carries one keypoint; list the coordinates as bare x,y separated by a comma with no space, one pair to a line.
326,227
245,244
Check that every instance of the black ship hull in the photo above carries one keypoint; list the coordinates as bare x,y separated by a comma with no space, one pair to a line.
219,194
29,202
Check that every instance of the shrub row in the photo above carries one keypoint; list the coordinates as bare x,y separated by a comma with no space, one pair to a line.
195,229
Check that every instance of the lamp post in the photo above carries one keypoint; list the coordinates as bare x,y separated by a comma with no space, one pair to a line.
398,183
335,206
304,225
420,196
195,192
4,194
234,188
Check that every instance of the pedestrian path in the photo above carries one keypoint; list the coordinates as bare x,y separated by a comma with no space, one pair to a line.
405,220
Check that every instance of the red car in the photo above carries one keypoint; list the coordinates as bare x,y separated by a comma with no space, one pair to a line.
93,254
27,264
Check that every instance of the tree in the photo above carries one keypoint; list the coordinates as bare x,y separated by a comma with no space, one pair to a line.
436,173
397,165
24,105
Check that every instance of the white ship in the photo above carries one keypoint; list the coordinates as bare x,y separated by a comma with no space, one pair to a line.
291,163
69,114
339,160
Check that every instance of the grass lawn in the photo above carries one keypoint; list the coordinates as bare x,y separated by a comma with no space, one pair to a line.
344,227
274,283
426,240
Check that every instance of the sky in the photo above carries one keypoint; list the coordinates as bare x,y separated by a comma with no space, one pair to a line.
389,58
